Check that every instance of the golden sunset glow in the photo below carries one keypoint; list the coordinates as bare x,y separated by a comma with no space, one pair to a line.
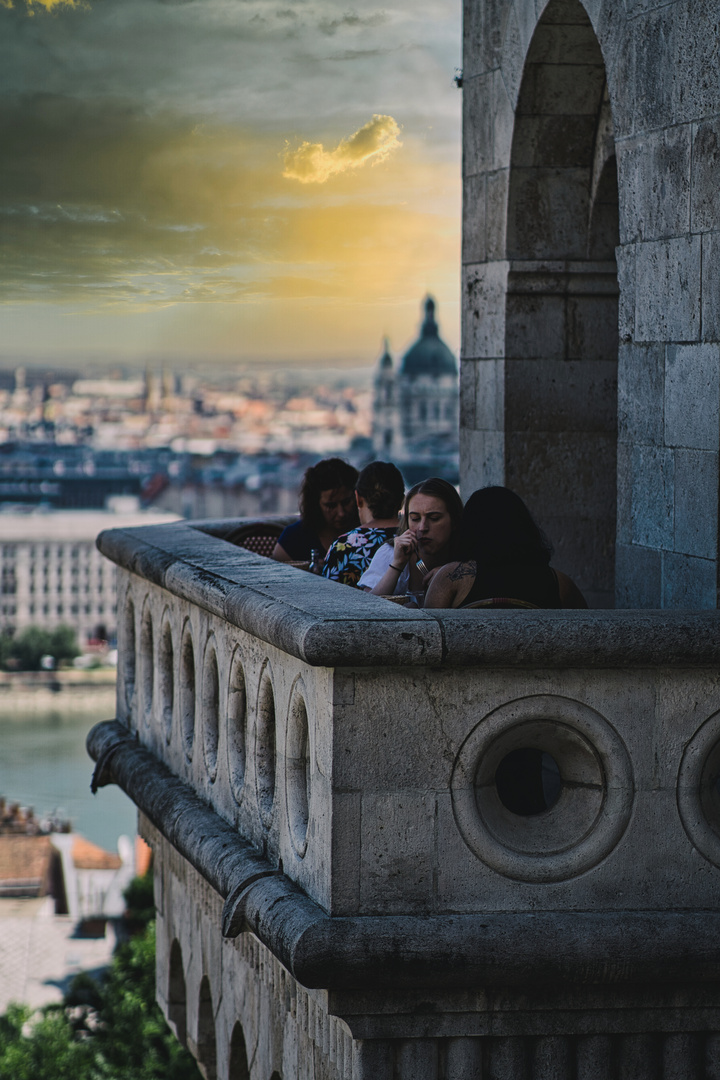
207,205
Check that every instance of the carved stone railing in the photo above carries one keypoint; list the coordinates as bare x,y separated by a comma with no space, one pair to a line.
348,878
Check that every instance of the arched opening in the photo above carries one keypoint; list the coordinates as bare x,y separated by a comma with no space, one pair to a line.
206,1048
211,710
177,999
561,337
238,1055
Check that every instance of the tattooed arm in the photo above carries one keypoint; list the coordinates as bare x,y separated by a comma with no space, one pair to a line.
451,585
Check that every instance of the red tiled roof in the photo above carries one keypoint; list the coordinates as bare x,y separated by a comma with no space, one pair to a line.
87,856
25,864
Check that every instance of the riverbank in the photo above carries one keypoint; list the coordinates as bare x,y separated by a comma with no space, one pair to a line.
28,694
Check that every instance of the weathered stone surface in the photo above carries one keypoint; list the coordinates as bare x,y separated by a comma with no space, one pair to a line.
655,171
688,582
692,396
561,395
641,385
696,504
474,221
710,289
484,310
667,290
638,576
653,497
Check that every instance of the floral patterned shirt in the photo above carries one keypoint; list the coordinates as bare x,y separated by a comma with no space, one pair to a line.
350,555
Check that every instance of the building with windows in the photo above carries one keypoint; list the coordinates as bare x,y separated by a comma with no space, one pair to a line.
415,407
52,574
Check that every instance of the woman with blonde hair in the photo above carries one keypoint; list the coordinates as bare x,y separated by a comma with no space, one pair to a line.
425,540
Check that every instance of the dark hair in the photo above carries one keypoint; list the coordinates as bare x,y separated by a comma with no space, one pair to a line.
327,475
497,525
382,487
439,489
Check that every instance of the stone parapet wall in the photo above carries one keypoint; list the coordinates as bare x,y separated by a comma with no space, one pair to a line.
343,868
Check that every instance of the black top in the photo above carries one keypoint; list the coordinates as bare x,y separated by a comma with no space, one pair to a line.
535,583
299,540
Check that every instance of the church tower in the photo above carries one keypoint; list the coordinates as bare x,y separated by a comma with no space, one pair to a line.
415,408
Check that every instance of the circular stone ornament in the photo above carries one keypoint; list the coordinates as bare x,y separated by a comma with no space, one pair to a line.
581,826
698,797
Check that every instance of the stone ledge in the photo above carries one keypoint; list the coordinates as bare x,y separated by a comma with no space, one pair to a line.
327,625
483,949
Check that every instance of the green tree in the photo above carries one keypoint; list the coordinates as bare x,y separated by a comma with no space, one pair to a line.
63,644
29,646
105,1030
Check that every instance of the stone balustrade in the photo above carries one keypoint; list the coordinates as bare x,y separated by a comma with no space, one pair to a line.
417,845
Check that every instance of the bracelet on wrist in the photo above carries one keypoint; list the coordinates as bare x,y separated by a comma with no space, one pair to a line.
398,568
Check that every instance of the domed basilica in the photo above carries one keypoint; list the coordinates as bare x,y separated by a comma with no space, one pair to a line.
415,406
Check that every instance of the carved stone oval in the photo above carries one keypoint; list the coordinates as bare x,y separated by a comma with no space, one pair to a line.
575,829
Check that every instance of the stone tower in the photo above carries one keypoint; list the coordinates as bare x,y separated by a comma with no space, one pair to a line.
590,363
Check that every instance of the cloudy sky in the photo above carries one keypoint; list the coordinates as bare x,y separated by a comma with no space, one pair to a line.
224,180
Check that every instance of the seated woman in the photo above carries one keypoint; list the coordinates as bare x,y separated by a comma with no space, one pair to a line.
424,541
503,554
327,509
379,493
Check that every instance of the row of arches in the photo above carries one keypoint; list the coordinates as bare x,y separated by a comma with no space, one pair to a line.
167,680
204,1045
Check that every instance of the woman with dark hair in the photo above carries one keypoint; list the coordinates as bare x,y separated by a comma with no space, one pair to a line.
327,509
503,554
379,494
425,540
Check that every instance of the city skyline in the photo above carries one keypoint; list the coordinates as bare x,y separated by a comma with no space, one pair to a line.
226,181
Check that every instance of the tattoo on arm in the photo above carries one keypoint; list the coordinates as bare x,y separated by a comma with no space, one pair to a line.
463,569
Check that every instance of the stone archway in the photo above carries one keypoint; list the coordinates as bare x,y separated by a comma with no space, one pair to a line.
561,338
177,997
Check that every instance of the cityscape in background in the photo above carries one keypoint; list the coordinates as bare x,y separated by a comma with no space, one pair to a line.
81,452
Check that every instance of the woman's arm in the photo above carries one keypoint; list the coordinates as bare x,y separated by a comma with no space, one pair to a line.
279,554
401,551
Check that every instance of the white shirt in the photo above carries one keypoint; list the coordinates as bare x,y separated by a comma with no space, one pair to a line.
376,570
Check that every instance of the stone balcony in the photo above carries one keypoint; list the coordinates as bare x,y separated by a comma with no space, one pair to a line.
409,845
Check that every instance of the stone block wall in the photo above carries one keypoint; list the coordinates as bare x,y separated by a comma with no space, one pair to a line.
591,134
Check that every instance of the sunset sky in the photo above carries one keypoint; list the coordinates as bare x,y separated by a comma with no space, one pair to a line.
226,180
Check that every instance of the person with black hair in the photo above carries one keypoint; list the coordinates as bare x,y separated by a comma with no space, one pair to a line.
425,540
379,494
327,510
503,554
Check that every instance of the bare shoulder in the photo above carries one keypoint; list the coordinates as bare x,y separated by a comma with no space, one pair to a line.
450,585
570,595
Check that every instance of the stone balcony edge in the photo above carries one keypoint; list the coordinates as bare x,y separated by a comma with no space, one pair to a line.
408,952
327,625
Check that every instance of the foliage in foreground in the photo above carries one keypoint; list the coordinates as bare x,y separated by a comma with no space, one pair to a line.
109,1030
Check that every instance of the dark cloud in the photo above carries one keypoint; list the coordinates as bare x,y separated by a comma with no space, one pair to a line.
352,21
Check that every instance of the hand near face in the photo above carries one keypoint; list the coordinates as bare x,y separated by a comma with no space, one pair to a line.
405,546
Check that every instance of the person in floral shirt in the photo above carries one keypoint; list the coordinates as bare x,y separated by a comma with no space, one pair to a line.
379,492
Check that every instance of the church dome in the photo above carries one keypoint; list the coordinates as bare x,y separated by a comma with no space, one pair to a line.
429,355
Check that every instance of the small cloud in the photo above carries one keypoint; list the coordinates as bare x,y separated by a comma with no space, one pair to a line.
311,163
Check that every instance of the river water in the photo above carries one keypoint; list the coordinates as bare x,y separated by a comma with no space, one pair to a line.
44,764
